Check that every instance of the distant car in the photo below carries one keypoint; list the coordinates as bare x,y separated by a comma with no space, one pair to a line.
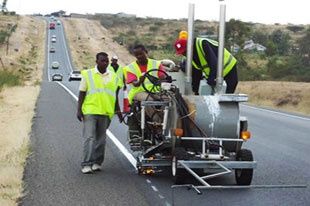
58,22
75,75
52,25
53,36
53,40
55,65
52,50
57,77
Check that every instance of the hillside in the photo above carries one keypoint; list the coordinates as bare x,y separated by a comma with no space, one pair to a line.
20,75
87,38
289,96
286,56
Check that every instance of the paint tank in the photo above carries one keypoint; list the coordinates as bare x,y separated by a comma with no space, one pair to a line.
217,115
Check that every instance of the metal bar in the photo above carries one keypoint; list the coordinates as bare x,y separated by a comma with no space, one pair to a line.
219,75
218,174
249,186
165,119
189,50
220,148
212,138
154,103
193,173
212,164
142,117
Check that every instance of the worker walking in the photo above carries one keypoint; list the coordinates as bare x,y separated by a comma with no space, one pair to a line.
96,106
205,57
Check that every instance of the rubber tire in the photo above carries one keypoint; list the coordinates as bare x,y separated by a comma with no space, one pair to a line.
244,176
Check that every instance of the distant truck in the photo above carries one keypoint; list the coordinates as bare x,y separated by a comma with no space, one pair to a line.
52,25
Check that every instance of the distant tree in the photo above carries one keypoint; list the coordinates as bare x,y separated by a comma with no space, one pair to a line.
260,37
304,48
295,28
281,41
237,32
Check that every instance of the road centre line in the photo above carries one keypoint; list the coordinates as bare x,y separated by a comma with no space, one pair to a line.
281,113
117,143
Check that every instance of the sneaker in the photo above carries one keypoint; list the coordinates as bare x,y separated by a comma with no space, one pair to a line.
96,167
86,170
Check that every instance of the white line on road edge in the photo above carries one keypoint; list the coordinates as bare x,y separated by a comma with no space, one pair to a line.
288,115
117,143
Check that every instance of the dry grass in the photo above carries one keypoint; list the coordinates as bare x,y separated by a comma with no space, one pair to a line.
287,96
87,38
17,103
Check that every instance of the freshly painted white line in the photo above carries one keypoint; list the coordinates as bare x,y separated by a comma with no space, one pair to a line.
121,147
68,90
48,52
65,44
287,115
154,188
160,196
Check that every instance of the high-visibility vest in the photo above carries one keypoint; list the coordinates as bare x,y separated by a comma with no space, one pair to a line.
100,98
134,68
229,60
120,75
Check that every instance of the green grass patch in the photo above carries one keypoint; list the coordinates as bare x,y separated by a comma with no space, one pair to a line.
9,79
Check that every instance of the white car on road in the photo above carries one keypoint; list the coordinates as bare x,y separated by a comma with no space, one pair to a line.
75,75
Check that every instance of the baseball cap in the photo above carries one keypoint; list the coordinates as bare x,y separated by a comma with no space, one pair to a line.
180,46
115,57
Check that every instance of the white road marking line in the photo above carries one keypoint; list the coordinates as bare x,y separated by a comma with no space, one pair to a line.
148,181
154,188
160,196
288,115
121,147
48,51
65,44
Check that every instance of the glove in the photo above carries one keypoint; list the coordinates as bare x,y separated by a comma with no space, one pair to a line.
211,81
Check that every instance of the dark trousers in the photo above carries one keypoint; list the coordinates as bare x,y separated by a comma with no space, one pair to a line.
231,80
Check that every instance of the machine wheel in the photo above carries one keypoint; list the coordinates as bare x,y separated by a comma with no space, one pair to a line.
244,176
178,174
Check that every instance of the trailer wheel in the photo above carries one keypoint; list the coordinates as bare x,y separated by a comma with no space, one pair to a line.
178,174
244,176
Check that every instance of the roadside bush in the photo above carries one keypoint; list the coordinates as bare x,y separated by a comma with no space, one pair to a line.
9,79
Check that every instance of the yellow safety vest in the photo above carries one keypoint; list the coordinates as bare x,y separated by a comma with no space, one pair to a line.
134,68
229,60
100,98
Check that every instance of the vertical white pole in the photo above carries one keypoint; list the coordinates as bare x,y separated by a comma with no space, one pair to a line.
219,75
189,50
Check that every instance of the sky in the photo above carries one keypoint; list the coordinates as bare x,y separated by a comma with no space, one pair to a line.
256,11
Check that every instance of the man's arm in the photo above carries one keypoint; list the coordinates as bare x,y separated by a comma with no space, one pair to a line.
79,113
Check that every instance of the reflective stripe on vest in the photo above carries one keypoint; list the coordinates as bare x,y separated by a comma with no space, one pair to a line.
135,69
229,60
100,98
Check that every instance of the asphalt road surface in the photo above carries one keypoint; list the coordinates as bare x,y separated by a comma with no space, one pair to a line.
280,143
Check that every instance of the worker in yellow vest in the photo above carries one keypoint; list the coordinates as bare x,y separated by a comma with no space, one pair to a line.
205,57
97,104
134,73
134,76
